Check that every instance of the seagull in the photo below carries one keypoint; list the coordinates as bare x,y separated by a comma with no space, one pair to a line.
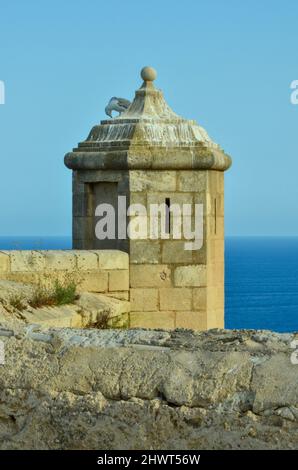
116,104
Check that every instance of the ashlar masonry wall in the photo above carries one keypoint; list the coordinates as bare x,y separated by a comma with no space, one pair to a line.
101,271
172,287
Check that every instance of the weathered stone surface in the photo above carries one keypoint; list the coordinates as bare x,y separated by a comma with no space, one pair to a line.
199,298
146,319
26,260
11,289
152,181
215,317
118,280
191,320
59,260
93,271
274,383
190,276
192,181
4,261
64,316
216,250
137,389
112,259
95,304
144,300
175,198
175,299
150,275
86,260
216,182
173,252
145,252
94,281
89,307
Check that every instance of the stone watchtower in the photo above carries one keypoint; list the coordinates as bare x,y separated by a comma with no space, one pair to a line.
151,155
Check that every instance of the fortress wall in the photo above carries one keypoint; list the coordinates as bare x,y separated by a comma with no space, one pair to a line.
136,389
103,271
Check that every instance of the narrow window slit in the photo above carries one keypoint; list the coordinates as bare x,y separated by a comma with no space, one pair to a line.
168,215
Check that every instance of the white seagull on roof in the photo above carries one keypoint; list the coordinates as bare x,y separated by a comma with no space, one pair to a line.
116,104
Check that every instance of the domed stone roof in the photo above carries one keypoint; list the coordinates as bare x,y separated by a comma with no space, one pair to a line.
151,135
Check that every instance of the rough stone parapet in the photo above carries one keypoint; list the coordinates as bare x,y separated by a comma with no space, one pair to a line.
140,389
105,271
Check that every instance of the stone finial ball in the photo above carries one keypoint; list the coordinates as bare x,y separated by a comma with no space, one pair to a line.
148,74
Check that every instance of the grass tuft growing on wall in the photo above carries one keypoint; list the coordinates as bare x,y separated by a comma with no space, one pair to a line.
17,301
59,293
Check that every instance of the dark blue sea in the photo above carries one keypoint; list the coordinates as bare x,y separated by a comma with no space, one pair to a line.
261,278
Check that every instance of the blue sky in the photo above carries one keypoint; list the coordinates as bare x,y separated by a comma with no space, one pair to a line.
227,64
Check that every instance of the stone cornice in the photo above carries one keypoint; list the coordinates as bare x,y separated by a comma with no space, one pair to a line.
138,157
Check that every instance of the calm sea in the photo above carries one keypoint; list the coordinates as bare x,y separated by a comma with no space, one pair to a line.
261,278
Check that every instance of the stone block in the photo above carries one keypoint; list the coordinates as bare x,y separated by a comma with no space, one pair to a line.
199,298
205,199
190,276
86,260
59,260
23,260
175,299
118,280
60,317
145,252
155,275
112,259
144,300
95,304
164,320
152,180
215,182
215,318
216,298
94,282
181,159
192,180
200,256
24,277
191,320
216,250
91,176
215,274
173,251
175,198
